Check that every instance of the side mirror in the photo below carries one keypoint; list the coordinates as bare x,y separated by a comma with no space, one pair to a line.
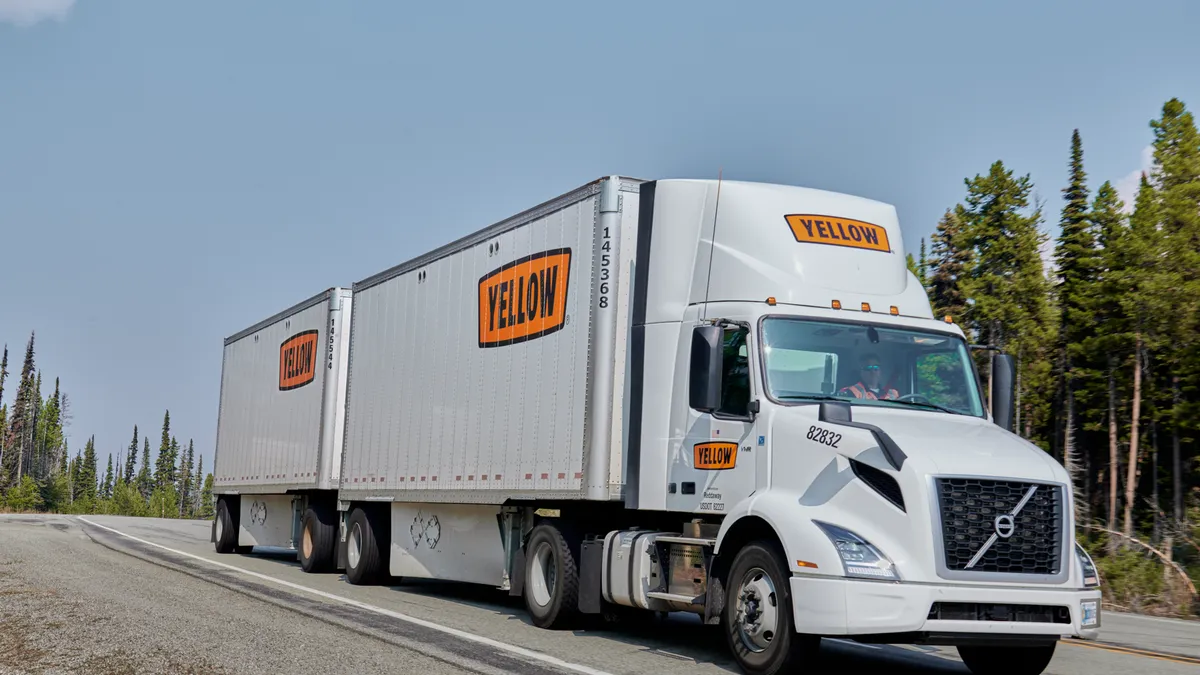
1003,393
704,377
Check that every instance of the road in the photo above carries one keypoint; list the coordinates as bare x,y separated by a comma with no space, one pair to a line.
139,595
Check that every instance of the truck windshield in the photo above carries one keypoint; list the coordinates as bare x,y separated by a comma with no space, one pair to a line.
869,365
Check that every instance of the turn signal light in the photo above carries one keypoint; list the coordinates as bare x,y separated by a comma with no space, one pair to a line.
837,304
805,563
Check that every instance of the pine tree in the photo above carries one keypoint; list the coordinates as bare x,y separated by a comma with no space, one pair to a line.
950,259
3,409
198,482
185,480
1077,264
145,482
164,464
131,459
75,481
1007,281
87,472
206,499
107,488
19,442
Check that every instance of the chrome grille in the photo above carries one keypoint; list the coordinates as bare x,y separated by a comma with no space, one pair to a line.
969,510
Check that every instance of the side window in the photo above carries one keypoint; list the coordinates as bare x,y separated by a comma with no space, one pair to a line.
735,375
940,378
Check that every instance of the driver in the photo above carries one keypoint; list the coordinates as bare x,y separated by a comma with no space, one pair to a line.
870,386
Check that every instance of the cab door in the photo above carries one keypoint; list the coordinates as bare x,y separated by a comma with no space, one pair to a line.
715,466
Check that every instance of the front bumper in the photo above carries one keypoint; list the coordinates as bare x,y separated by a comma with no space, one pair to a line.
834,606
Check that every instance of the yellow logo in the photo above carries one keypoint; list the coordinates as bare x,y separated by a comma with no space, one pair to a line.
715,455
813,229
524,299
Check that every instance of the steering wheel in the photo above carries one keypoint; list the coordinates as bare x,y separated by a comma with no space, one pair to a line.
915,398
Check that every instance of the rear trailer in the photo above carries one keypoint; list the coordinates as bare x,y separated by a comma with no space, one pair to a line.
280,429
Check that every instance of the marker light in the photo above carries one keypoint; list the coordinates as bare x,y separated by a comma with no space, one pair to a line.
837,304
948,319
859,558
1091,578
866,307
771,301
895,310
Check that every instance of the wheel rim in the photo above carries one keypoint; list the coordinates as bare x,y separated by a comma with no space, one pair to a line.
354,550
757,610
220,528
306,545
543,574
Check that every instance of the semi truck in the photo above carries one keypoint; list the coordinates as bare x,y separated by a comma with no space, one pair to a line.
724,398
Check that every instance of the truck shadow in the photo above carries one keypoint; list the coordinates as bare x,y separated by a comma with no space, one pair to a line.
683,638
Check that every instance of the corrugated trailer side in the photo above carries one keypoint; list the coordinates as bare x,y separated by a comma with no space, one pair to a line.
280,420
493,368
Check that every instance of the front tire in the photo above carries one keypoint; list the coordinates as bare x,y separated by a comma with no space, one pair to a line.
757,618
551,579
1007,660
318,540
366,547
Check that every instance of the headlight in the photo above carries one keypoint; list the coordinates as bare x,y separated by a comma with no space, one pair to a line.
859,557
1091,578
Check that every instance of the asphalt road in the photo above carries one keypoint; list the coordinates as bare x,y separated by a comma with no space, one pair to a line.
125,595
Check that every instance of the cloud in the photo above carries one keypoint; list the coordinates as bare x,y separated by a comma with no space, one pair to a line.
1127,187
25,13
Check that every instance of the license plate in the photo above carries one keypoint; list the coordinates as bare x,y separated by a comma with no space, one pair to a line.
1091,614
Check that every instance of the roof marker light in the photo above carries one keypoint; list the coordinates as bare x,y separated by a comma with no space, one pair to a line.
866,307
837,304
771,301
948,319
895,310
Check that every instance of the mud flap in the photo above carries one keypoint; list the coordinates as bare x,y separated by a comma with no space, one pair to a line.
516,582
591,564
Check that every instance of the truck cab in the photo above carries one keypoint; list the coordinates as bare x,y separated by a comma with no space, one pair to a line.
798,396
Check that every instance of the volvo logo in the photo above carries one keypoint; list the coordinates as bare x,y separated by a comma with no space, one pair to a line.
1005,525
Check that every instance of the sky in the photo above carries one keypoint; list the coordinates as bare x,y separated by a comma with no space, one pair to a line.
171,173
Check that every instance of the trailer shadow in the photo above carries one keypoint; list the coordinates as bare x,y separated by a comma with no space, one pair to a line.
681,637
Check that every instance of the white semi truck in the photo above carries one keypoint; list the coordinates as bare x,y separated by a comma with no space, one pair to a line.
725,398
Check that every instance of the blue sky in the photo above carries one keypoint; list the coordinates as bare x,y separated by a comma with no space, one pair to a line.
173,172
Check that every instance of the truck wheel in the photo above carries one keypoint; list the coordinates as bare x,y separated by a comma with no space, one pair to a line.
226,533
318,539
1007,660
551,579
757,618
366,558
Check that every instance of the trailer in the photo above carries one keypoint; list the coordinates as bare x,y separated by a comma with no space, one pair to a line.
280,428
724,398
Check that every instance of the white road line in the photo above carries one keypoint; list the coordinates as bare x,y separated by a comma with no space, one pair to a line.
853,644
520,651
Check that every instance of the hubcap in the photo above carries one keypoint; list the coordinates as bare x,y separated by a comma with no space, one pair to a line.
543,574
306,543
354,550
220,528
757,611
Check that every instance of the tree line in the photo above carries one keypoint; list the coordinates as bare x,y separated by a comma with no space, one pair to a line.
38,473
1106,342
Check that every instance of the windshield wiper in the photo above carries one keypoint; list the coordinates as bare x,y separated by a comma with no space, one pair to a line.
813,397
926,404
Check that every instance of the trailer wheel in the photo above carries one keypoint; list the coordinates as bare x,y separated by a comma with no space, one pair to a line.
551,578
1007,660
318,539
757,618
366,544
226,534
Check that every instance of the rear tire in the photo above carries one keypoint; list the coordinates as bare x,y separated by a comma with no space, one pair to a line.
226,530
551,579
318,540
757,619
1007,660
366,548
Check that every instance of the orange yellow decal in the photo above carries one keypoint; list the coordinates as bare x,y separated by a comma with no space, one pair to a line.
298,360
813,229
524,299
715,455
